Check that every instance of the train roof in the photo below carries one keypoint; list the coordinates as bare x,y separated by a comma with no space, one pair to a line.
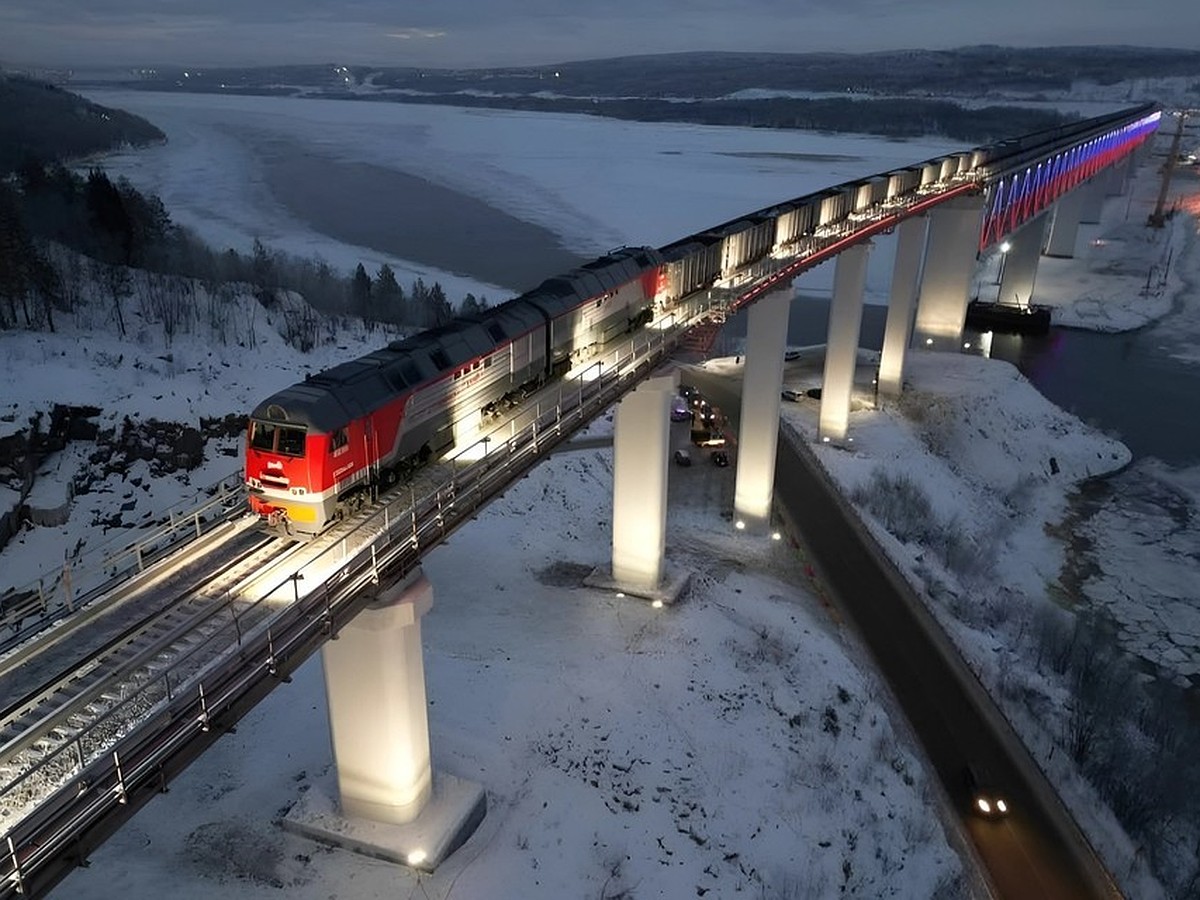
594,279
324,401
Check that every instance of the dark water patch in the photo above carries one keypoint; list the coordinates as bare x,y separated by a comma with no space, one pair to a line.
1127,384
406,216
808,324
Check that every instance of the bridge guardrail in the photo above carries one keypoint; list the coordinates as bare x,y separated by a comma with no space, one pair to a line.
28,609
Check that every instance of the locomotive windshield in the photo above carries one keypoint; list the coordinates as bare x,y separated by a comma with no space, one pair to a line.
287,440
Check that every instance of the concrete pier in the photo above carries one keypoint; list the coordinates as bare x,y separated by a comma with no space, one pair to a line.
902,300
758,436
641,444
841,346
389,804
1068,212
946,279
1021,262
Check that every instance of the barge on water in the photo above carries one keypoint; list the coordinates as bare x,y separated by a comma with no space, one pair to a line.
1008,318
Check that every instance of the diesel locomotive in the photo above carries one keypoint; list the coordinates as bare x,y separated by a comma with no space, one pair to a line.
324,446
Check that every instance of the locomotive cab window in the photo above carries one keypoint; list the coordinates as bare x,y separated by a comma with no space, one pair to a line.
291,441
338,440
262,436
287,440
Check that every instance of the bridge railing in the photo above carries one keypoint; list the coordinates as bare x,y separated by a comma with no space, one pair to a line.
30,608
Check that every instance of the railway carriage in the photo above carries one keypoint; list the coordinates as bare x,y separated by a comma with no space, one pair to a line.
325,446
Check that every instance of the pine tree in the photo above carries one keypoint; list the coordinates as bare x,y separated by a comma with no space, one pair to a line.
109,216
439,307
390,303
472,306
360,294
16,254
262,274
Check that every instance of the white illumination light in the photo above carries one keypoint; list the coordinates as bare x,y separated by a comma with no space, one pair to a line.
740,525
1005,247
620,593
966,345
928,341
416,857
657,604
776,536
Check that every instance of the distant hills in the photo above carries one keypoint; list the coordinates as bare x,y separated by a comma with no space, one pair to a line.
43,122
972,94
968,71
895,93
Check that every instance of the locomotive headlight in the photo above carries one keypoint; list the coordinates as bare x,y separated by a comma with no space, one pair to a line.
298,491
254,483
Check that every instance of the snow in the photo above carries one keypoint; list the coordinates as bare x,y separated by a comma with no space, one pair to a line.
597,183
735,742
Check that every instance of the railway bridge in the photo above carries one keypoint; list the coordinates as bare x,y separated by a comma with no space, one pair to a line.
84,749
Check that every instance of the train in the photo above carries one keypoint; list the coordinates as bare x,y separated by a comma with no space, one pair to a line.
324,447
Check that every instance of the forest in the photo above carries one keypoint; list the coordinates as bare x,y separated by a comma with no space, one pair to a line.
63,232
41,121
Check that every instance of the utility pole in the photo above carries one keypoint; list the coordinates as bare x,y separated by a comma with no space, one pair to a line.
1157,219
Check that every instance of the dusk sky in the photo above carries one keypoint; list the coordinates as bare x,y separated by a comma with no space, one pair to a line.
469,33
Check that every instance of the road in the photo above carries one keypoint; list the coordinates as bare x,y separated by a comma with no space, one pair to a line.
1034,852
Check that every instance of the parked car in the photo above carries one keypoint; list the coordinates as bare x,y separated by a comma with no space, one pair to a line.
679,410
986,800
789,394
683,458
720,458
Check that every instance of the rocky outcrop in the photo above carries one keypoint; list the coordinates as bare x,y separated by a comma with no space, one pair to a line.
166,446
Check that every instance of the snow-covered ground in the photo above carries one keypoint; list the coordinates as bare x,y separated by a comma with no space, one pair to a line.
736,742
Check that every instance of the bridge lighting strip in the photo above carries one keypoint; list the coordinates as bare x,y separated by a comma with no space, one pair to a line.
1016,198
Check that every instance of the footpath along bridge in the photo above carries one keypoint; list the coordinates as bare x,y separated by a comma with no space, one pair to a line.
79,755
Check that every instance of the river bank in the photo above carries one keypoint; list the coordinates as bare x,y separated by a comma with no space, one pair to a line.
1067,578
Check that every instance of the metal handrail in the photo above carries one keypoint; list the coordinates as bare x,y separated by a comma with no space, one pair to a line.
57,593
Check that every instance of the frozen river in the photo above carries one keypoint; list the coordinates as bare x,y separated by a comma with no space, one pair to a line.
478,199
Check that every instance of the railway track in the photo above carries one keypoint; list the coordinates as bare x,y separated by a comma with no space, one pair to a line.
154,643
